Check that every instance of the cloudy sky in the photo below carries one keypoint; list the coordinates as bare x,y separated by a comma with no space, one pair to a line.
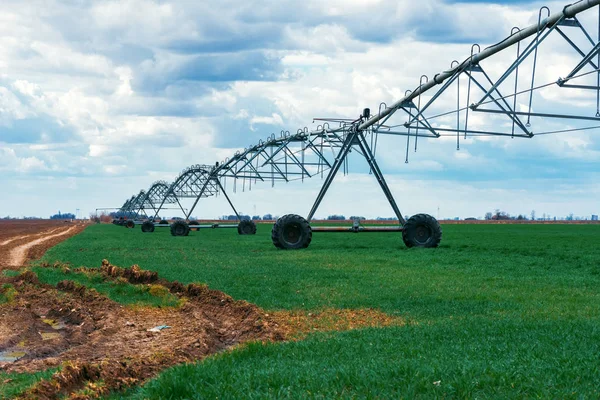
98,99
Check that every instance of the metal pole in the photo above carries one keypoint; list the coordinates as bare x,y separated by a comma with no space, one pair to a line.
187,217
362,142
227,197
333,171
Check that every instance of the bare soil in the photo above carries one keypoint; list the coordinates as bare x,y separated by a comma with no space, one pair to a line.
95,339
24,240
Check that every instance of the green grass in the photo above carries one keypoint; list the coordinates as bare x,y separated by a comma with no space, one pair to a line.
478,270
122,292
506,311
10,273
491,360
7,293
13,384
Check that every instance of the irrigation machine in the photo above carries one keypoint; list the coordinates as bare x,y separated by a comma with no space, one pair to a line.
442,106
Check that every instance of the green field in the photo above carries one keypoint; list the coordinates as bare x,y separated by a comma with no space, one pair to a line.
497,311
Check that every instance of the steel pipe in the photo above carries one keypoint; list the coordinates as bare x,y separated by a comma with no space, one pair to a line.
567,12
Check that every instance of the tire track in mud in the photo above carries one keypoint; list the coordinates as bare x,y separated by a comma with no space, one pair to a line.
18,255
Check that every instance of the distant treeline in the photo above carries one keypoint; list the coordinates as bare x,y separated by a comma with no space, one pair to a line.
63,216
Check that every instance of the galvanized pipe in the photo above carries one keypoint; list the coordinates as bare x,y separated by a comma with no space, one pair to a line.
567,12
360,229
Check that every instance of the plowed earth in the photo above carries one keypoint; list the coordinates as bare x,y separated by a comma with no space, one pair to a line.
102,345
99,345
23,240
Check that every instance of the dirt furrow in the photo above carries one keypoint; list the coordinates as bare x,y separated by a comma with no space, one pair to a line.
30,236
18,255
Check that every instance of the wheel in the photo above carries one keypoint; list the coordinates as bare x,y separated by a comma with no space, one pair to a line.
148,226
422,230
164,222
129,224
180,228
247,227
291,232
194,222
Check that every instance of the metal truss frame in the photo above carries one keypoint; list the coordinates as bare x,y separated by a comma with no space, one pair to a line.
306,153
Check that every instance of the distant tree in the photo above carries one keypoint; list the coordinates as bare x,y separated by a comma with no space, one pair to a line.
267,217
500,215
336,218
256,218
521,217
352,218
533,215
488,215
63,216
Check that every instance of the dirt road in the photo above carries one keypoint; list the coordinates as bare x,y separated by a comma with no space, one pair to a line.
24,240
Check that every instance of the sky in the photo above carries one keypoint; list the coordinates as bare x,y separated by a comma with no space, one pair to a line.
99,99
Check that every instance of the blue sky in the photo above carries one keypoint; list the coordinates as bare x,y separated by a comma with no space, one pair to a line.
100,99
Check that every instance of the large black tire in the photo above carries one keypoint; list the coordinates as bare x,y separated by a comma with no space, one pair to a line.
194,222
422,230
246,227
148,226
291,232
180,228
130,224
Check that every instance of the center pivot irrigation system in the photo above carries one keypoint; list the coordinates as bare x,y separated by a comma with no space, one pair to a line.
507,100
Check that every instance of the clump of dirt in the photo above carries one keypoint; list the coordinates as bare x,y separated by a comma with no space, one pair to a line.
134,274
84,380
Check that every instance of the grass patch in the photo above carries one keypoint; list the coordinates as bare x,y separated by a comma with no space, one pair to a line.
498,270
492,359
10,273
118,290
7,293
11,385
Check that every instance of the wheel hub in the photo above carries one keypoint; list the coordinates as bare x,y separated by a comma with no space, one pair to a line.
423,233
292,233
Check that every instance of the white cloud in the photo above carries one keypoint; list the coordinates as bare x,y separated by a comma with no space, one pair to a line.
274,119
11,107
